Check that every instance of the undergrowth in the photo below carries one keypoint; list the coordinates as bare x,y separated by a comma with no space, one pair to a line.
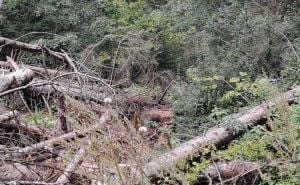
275,144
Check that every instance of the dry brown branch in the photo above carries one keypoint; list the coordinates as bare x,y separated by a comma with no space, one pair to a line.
218,172
69,61
34,83
53,72
215,136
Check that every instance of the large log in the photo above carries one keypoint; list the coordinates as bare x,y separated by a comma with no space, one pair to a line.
216,136
95,93
233,172
41,70
6,116
19,45
65,177
15,171
15,79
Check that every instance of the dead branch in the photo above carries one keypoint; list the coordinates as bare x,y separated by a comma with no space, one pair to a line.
87,92
53,73
30,149
13,63
15,171
32,133
215,136
64,178
28,183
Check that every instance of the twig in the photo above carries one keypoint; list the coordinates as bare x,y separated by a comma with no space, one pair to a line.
164,93
47,105
289,43
64,178
218,171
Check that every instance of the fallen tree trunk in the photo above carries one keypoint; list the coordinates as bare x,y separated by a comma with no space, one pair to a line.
215,136
53,73
15,79
15,171
6,116
94,93
19,45
41,70
233,172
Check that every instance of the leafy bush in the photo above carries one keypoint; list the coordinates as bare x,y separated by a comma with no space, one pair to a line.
203,102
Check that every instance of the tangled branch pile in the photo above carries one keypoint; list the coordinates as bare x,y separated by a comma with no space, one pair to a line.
97,136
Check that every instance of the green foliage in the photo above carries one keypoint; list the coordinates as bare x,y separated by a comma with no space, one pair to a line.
140,89
39,118
219,50
253,148
123,12
206,100
193,174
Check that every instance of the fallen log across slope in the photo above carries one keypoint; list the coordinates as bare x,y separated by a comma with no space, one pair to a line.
216,136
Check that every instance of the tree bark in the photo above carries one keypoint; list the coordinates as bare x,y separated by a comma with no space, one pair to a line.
233,172
19,45
15,79
65,177
41,70
6,116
